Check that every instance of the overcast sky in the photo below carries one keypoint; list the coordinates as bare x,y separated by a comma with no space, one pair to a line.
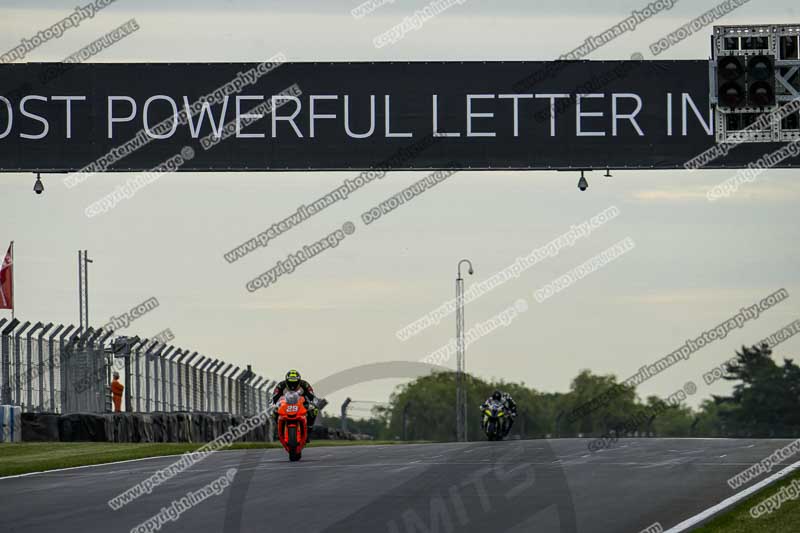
695,263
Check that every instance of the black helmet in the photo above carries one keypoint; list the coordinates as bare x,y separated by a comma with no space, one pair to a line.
292,379
497,395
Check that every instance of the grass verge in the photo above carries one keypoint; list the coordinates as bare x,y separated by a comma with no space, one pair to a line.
785,519
25,457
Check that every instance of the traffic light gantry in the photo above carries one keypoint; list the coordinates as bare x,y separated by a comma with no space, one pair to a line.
754,76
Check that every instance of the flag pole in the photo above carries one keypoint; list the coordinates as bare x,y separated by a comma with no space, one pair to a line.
12,281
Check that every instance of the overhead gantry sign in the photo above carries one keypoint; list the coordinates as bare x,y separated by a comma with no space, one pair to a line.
400,115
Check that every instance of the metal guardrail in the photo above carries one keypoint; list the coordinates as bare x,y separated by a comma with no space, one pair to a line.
62,369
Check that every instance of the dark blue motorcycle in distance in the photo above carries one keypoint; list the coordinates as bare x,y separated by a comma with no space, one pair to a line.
495,419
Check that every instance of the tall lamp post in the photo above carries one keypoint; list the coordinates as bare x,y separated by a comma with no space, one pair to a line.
83,288
461,389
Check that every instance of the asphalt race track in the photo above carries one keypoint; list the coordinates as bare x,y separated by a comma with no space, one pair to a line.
535,485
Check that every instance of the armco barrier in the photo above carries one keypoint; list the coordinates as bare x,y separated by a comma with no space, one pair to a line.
10,423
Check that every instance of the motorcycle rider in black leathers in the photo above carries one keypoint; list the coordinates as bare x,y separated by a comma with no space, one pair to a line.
293,382
508,403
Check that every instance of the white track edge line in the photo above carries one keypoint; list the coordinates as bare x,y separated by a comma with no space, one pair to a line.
727,502
178,455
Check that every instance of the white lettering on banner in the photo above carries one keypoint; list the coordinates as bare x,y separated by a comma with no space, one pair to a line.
472,116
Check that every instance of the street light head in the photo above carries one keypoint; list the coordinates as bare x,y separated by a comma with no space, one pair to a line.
38,187
469,265
582,183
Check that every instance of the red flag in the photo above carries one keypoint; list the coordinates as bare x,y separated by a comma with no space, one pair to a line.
6,281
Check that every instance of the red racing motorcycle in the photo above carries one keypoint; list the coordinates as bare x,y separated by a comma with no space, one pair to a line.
292,424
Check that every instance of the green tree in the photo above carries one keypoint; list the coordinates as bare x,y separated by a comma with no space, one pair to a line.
670,420
619,409
766,401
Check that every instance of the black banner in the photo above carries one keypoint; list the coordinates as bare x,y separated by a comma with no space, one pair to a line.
338,116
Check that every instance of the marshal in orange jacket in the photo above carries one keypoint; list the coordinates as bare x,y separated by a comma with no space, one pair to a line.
116,394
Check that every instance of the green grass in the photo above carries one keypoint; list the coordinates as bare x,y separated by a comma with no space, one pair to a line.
786,519
27,457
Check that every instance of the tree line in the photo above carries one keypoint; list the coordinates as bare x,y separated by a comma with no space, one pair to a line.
765,402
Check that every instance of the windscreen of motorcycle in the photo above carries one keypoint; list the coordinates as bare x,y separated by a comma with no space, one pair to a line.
292,397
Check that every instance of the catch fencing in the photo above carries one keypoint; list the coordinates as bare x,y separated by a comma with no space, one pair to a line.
64,369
